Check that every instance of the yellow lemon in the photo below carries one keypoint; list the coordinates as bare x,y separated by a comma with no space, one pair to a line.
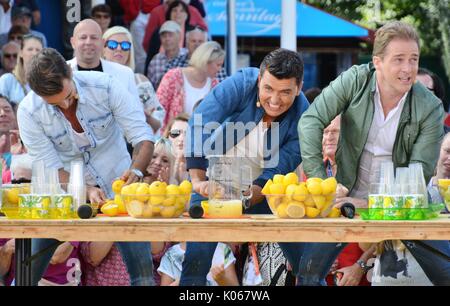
277,189
156,209
273,202
266,189
185,187
119,201
334,213
444,183
278,179
329,186
295,210
290,190
281,211
169,201
110,209
117,186
142,192
312,212
314,179
290,178
157,191
301,192
309,201
12,195
320,201
314,188
387,202
168,212
148,211
135,208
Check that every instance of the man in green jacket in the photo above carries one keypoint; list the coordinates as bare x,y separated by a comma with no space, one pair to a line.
385,116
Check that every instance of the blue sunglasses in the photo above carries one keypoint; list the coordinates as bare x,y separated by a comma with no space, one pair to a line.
112,44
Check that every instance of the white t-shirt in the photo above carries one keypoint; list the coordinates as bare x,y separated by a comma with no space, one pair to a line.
193,94
379,145
5,18
172,261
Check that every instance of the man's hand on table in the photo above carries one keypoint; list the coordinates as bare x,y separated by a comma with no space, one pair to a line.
95,195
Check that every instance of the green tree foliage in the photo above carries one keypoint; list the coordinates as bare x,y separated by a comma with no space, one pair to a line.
429,17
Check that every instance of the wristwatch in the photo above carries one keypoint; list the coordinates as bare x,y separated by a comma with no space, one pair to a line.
364,267
138,173
246,203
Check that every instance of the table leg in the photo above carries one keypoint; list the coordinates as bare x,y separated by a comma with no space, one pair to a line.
23,268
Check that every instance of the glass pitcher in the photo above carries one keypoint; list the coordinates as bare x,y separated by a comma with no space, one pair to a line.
229,178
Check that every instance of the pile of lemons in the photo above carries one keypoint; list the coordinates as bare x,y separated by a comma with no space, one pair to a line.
287,198
142,200
444,190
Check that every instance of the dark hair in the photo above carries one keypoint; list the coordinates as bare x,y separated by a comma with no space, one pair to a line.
47,71
312,93
101,8
283,64
17,29
180,117
438,86
7,100
175,4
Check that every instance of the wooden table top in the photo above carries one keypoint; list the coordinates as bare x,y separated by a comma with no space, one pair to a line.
255,228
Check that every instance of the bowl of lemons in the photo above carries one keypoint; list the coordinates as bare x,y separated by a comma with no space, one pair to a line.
290,199
444,190
155,200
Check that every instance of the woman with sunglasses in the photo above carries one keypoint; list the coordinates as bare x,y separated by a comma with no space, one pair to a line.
14,85
176,132
118,48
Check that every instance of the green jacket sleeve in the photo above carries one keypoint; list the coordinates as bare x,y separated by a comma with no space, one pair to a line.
333,100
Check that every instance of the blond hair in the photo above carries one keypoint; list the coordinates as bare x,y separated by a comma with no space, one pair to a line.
390,31
121,30
165,145
205,53
20,71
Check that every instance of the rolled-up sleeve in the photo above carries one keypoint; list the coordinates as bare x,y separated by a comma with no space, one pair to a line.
129,115
39,146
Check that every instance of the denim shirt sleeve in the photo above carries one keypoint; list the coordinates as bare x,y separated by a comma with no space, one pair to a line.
129,115
38,145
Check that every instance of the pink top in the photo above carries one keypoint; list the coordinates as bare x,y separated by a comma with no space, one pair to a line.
112,271
171,93
55,273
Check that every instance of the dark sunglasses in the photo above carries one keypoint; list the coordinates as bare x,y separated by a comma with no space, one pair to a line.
10,55
175,133
112,44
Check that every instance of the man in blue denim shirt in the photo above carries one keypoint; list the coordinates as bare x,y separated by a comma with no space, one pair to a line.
80,115
268,98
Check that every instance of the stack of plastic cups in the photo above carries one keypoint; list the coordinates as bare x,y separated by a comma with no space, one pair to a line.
77,185
398,211
31,206
417,201
387,178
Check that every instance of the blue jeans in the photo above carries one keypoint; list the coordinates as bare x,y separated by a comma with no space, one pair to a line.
306,259
136,255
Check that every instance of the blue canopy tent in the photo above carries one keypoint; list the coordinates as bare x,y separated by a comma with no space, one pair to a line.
329,44
262,18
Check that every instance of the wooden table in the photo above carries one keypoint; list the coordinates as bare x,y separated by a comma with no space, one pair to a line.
255,228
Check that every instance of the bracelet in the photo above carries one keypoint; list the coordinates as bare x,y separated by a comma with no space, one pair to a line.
138,173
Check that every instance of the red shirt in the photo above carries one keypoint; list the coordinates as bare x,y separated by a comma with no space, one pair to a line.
131,8
158,17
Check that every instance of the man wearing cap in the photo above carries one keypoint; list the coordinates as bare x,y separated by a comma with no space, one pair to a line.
5,15
169,34
22,15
